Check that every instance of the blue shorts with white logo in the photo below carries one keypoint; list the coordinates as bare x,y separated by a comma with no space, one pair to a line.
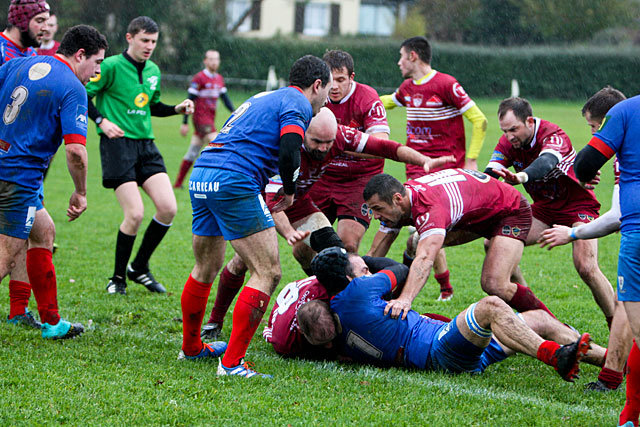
629,267
18,206
452,352
227,203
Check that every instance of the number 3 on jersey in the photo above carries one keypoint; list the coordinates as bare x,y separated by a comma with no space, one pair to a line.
11,111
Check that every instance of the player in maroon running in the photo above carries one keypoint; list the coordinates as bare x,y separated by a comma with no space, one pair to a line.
205,89
435,104
452,207
542,157
339,192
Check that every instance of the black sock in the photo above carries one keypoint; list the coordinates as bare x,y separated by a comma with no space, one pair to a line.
152,238
124,245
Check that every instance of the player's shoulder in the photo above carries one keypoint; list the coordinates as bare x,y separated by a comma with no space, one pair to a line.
444,78
152,66
365,90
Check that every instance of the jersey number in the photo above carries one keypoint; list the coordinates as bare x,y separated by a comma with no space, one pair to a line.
11,111
236,115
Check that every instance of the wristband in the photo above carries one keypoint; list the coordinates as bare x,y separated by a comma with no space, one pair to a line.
572,234
523,177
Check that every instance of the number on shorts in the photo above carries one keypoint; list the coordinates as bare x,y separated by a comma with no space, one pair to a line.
236,115
11,111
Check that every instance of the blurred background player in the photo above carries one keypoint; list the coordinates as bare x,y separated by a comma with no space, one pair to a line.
49,45
127,94
26,151
205,89
435,104
338,193
25,30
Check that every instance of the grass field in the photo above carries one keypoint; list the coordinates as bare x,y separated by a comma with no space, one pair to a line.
123,370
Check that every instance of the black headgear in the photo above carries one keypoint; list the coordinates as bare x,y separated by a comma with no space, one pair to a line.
330,266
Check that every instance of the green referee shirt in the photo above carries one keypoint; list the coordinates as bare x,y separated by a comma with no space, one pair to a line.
123,99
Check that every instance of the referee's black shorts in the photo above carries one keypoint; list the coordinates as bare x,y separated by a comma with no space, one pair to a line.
124,160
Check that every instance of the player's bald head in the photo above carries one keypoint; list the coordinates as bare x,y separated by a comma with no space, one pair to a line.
323,126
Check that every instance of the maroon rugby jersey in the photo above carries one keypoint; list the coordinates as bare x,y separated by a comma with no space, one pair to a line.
361,109
207,87
282,331
434,117
458,199
560,186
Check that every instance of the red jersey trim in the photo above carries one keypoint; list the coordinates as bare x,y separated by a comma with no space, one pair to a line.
23,50
292,129
392,277
74,138
296,87
603,148
59,58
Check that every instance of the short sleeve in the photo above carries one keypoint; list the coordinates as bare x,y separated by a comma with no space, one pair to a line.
73,115
500,157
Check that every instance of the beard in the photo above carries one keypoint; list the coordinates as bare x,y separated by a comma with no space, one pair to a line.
27,40
317,155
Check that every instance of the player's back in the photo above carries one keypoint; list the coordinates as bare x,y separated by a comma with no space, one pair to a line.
42,98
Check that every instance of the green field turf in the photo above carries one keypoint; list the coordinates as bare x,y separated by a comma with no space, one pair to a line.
123,370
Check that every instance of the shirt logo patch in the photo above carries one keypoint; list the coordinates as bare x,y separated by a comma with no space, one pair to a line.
459,91
584,217
4,146
153,82
95,79
141,100
364,210
435,101
621,289
604,122
417,100
422,219
81,117
39,71
506,230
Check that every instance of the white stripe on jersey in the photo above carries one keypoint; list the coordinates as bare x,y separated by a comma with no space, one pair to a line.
378,129
456,205
363,143
425,113
433,231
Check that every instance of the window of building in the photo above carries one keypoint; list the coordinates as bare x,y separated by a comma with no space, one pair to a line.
235,10
376,19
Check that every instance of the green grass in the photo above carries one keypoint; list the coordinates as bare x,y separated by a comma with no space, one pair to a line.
123,370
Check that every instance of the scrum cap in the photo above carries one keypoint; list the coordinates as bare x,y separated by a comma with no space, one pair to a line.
21,12
330,266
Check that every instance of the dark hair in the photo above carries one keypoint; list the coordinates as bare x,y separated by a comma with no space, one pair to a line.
315,321
82,37
520,107
385,186
419,45
338,59
306,70
142,24
601,102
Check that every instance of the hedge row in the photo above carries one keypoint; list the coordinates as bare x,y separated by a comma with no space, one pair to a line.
564,73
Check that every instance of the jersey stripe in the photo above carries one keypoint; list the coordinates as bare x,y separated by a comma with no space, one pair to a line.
74,138
292,129
456,205
602,147
391,276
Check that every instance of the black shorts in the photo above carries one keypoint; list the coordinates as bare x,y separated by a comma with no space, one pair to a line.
124,160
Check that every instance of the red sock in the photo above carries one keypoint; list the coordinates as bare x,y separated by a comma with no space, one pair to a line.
184,169
546,353
42,276
443,280
610,378
194,304
228,287
19,293
525,300
247,314
631,408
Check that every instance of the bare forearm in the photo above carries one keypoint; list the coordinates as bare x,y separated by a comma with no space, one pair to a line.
77,164
381,244
411,156
418,275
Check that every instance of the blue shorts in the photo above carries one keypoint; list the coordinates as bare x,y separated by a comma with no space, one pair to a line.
452,352
629,267
18,206
227,203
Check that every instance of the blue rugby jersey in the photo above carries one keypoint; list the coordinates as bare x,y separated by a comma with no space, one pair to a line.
370,336
42,101
250,139
9,50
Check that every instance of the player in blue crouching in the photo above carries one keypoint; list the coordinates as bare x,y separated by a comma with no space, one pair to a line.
466,344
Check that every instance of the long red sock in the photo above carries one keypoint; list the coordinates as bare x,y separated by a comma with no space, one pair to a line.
42,276
525,300
184,169
247,314
194,304
19,293
443,280
546,353
631,408
228,287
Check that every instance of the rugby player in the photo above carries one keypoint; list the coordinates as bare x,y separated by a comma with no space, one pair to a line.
261,138
205,89
25,152
49,45
452,207
435,104
618,134
127,94
542,157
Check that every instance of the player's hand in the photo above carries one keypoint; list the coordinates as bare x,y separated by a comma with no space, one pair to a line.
283,203
111,129
184,129
511,177
185,107
77,205
592,184
397,307
435,162
556,236
471,164
297,236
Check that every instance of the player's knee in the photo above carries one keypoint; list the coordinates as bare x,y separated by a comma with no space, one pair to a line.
351,246
493,304
586,269
326,237
303,254
237,266
134,218
192,153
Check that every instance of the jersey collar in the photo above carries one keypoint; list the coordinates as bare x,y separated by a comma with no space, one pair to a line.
426,78
21,49
296,87
346,98
209,73
61,59
535,132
